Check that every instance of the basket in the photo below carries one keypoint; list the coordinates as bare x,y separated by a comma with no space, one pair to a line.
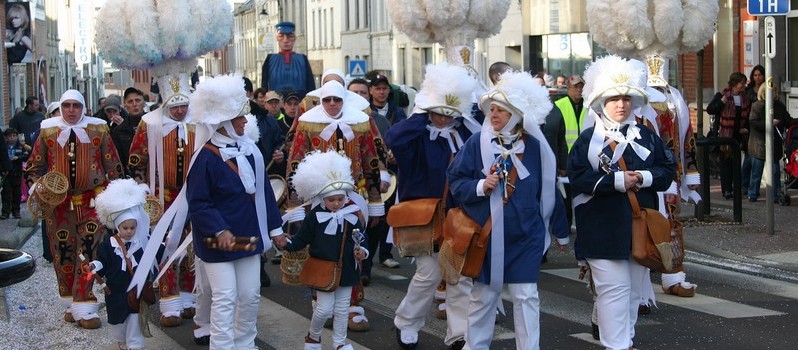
450,263
291,265
153,208
48,192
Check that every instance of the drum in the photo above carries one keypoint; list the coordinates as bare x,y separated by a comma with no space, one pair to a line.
279,186
391,188
49,191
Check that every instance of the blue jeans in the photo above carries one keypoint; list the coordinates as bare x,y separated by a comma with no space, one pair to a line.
757,166
745,171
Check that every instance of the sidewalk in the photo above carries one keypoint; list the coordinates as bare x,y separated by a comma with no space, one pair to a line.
744,247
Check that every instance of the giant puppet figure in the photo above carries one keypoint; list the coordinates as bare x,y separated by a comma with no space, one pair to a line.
167,40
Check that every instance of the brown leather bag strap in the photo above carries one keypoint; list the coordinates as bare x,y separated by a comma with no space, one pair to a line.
343,240
631,193
124,253
215,151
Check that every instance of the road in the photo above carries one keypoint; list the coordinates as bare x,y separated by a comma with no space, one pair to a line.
731,311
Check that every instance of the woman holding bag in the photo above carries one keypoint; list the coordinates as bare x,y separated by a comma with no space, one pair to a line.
603,212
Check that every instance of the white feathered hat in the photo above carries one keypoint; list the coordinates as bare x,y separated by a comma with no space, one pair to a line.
119,197
520,94
614,76
220,98
447,90
322,174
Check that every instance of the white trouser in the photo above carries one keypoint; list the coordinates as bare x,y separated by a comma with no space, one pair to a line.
458,297
331,304
202,317
413,311
482,315
235,299
618,284
129,332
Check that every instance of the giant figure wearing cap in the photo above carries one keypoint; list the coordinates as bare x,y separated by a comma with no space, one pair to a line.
287,69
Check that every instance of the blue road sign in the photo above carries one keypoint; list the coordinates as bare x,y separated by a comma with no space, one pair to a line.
768,7
357,68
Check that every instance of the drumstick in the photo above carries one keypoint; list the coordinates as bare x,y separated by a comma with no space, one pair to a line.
239,240
268,166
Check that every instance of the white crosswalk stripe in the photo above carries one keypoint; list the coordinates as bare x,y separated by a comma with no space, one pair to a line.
701,303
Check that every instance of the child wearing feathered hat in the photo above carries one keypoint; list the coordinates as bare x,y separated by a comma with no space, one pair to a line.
325,180
121,208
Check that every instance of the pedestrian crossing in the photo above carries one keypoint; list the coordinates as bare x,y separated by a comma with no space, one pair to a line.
701,303
565,311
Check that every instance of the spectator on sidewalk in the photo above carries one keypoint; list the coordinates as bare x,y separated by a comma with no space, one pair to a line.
730,108
18,153
28,120
756,142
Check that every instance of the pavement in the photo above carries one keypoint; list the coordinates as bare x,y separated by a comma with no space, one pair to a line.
717,241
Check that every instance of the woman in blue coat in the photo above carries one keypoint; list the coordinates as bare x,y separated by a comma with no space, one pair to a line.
480,179
603,212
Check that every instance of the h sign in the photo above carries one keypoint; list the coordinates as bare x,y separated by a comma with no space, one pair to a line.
768,7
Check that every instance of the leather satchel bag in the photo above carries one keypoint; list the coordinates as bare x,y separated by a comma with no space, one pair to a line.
652,244
147,293
417,225
469,240
323,275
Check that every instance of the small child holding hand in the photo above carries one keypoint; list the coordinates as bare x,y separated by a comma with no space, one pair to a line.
325,179
121,208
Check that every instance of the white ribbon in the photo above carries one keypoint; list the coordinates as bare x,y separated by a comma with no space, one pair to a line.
170,124
240,152
329,130
134,246
337,218
449,133
518,147
78,128
632,133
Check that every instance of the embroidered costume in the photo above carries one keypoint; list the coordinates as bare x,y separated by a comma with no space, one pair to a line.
84,152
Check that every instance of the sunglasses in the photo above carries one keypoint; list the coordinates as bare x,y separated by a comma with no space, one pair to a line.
329,99
71,105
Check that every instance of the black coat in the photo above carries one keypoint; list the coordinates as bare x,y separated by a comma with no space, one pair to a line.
123,135
756,121
116,280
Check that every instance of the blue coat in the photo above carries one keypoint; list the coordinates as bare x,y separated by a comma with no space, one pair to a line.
116,280
524,229
422,163
217,201
280,76
328,247
604,224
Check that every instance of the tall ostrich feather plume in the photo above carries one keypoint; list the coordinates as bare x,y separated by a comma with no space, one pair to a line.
448,22
144,34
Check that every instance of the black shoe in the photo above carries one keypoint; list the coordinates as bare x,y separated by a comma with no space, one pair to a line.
17,216
752,199
365,280
205,340
4,216
728,195
643,309
403,345
457,345
594,330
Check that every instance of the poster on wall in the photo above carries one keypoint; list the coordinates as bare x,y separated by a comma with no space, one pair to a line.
19,36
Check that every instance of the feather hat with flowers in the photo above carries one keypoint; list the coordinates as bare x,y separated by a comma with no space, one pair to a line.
447,89
613,76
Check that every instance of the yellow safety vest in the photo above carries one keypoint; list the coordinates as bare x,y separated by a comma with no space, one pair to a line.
572,125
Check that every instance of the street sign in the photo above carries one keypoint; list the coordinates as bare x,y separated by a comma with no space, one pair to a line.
357,68
768,7
770,37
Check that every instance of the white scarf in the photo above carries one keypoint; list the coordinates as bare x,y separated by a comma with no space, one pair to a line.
334,124
78,128
449,133
336,219
134,246
516,148
240,153
605,131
